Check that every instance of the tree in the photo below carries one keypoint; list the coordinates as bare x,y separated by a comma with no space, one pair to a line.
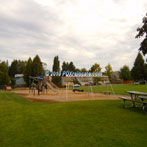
17,67
56,68
21,66
65,66
56,64
4,77
125,73
28,71
95,68
83,70
138,68
109,71
145,72
141,32
37,67
68,66
13,68
71,67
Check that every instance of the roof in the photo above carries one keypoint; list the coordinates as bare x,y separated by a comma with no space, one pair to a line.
18,75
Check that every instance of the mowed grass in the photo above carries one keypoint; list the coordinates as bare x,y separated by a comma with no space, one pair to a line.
74,124
118,89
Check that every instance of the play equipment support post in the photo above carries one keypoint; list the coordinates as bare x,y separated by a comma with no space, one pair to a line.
66,91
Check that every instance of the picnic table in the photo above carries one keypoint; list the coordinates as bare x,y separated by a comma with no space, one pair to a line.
136,97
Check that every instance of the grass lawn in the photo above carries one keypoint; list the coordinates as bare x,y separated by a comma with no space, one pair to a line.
118,89
74,124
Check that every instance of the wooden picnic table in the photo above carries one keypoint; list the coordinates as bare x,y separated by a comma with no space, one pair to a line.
136,97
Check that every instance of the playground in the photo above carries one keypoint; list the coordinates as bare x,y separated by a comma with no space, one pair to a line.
65,96
43,89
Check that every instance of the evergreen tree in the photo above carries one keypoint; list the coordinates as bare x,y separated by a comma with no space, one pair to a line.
4,77
13,68
56,68
37,67
71,67
21,66
28,71
65,66
68,66
141,32
138,68
56,64
125,73
17,67
109,71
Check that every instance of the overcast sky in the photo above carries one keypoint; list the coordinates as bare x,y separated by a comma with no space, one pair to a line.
82,31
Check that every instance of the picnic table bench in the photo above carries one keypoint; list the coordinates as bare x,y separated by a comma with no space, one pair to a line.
136,97
107,92
79,90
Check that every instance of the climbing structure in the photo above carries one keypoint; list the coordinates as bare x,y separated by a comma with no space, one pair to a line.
41,84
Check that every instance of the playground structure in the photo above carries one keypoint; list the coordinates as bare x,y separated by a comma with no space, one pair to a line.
41,84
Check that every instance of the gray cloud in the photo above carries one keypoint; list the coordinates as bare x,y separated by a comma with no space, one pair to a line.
28,28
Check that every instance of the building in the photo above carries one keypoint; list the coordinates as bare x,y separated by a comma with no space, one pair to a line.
20,80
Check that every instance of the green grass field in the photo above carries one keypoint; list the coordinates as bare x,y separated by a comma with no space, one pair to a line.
118,89
74,124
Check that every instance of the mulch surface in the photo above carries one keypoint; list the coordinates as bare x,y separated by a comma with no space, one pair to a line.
64,96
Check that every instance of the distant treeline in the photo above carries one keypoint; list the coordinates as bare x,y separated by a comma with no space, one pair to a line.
34,67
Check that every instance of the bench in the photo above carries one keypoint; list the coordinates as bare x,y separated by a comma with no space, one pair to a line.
142,97
135,101
79,90
107,92
125,99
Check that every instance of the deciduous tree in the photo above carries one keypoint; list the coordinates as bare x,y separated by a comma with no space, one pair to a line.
109,71
95,68
125,73
141,32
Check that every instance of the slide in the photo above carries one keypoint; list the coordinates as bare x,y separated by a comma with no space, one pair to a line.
79,81
51,87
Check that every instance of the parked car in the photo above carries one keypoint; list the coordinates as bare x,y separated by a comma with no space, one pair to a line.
143,82
76,85
140,82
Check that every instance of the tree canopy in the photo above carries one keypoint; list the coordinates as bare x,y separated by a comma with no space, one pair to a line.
56,67
141,32
33,68
28,71
56,64
4,77
37,67
17,67
109,71
125,73
68,66
95,68
65,66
